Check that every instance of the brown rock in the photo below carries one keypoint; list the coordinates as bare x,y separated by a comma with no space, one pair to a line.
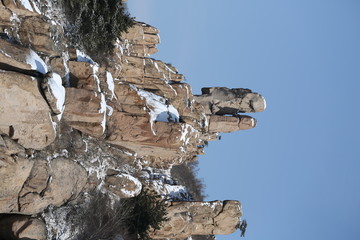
31,228
228,124
136,134
14,55
199,218
142,33
22,227
85,111
57,183
223,101
24,114
123,185
40,34
10,147
13,171
21,8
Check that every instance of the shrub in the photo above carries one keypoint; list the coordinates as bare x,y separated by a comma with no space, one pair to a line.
131,218
186,174
96,24
148,212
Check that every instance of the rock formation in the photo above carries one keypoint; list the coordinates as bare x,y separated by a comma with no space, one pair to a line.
69,125
200,218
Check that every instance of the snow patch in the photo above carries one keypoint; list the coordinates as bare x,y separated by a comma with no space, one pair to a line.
36,62
82,57
160,109
110,83
58,91
26,4
103,110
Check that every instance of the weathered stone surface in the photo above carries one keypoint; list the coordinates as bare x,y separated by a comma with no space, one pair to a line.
199,218
54,92
59,66
23,8
85,111
222,101
22,227
123,185
56,183
10,147
137,134
14,55
5,16
13,171
24,114
31,228
226,124
41,35
142,33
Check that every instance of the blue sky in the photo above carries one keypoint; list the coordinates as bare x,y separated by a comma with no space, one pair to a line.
297,173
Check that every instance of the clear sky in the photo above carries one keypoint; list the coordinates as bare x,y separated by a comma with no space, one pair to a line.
297,173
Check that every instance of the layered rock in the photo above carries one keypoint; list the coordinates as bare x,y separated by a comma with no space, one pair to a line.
199,218
22,227
70,125
26,117
222,101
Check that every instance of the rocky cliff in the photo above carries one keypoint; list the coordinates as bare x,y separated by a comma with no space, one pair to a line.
69,125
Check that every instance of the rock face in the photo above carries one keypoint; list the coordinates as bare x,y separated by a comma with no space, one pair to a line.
123,185
27,116
222,101
200,218
55,183
69,125
22,227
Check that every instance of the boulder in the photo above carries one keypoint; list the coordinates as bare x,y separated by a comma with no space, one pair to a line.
31,228
24,114
227,124
225,101
123,185
14,55
54,92
199,218
85,111
137,134
22,227
41,36
55,184
22,7
13,171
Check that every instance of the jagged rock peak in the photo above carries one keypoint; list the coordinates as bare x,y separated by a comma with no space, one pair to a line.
200,218
69,125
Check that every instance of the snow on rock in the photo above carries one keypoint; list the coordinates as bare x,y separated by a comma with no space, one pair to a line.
110,83
27,5
160,109
82,57
123,185
102,110
57,90
36,62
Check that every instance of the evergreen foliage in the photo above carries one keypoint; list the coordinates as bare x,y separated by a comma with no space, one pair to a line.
103,218
96,24
148,212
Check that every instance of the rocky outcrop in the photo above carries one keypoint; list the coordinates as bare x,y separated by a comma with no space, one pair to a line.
22,227
199,218
30,185
69,125
55,183
222,101
123,185
26,117
142,40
